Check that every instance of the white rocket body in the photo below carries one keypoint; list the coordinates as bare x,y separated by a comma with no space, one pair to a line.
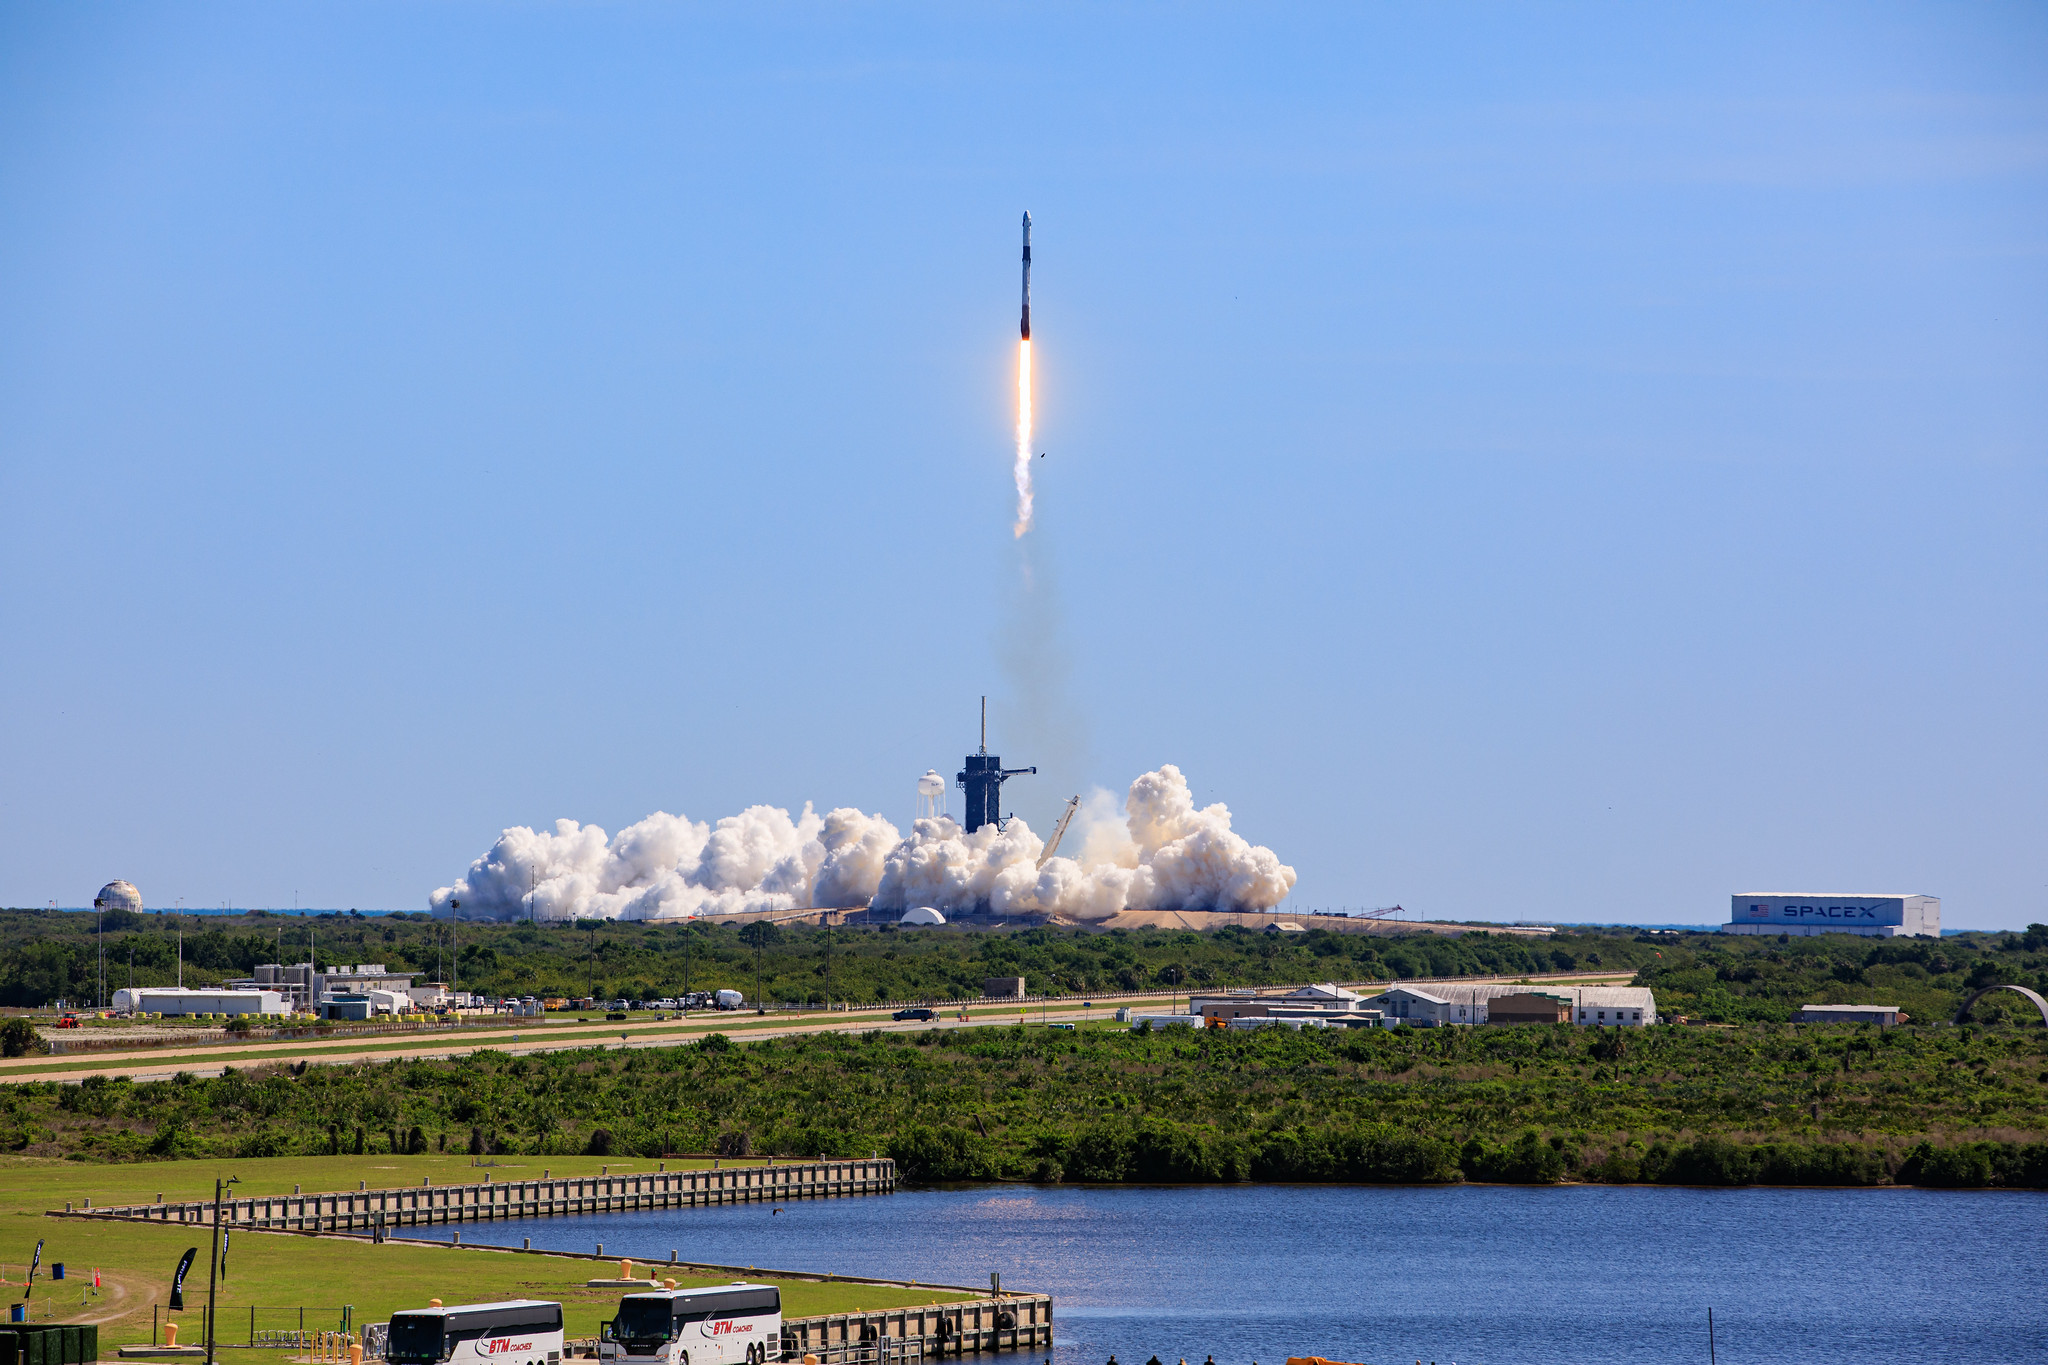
1025,325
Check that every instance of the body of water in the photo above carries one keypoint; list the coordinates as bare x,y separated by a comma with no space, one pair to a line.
1479,1275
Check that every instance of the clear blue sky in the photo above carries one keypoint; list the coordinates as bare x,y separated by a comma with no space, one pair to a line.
1564,462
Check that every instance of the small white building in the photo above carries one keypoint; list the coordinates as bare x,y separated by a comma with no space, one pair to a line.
171,1001
1886,1015
1613,1006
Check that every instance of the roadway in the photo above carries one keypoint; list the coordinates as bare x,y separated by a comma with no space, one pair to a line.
536,1036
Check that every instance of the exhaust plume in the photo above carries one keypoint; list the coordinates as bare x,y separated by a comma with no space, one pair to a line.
1158,852
1022,470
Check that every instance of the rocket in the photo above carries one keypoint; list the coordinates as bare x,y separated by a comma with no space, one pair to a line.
1025,325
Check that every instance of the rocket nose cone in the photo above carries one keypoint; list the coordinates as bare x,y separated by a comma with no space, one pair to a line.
1027,218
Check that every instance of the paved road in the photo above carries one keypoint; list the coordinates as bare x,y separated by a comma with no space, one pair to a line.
534,1036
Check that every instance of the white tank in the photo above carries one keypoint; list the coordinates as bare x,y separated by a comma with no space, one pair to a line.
118,895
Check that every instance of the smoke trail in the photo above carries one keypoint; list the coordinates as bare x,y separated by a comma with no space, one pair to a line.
1023,467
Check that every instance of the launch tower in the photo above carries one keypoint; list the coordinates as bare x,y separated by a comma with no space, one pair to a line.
982,779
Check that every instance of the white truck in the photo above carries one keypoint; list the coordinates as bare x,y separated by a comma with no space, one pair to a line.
728,1000
514,1332
735,1324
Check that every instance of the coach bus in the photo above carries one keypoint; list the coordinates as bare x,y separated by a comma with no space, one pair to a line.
735,1324
515,1332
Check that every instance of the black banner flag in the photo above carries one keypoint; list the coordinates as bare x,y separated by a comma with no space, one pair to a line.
29,1286
178,1280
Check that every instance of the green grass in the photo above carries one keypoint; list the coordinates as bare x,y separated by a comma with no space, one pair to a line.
282,1272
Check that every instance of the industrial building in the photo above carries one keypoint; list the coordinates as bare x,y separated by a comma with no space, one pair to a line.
170,1000
1592,1006
304,987
1325,1000
1885,1015
1803,914
1439,1005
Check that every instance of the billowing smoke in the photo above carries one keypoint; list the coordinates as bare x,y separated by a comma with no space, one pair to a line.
1159,852
1165,855
667,866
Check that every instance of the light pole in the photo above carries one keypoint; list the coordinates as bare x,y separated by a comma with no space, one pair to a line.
213,1265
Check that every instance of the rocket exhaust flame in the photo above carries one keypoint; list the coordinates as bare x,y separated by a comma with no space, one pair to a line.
1023,463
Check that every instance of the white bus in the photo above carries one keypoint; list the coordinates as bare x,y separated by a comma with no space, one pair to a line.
515,1332
735,1324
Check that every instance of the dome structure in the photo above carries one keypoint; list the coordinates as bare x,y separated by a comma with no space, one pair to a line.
118,895
922,914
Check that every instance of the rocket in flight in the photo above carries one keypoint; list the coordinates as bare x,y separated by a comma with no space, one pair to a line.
1025,325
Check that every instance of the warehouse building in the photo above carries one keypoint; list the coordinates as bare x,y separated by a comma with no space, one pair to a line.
1885,1015
171,1001
1804,914
1592,1006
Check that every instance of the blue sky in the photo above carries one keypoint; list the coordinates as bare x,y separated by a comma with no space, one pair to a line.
1530,462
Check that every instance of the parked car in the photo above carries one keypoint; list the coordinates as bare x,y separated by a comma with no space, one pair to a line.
917,1012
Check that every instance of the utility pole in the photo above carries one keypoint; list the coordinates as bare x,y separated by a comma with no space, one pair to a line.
454,958
593,964
760,1005
213,1264
103,952
689,947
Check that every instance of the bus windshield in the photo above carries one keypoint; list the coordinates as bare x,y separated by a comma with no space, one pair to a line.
643,1322
415,1339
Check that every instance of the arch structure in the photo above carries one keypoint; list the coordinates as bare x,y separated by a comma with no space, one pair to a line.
1963,1014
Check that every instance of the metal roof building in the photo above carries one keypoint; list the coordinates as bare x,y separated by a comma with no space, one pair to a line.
1802,914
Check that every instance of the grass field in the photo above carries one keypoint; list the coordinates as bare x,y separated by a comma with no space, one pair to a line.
281,1273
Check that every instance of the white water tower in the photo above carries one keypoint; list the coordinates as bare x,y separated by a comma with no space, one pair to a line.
931,795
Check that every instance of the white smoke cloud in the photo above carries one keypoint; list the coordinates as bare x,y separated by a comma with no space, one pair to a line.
1155,852
1166,854
667,867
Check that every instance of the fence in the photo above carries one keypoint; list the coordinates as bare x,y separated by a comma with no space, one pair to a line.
274,1328
376,1211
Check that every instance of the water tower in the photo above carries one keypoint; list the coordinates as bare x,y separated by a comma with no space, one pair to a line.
931,795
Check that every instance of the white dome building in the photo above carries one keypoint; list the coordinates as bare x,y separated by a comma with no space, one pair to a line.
922,914
118,895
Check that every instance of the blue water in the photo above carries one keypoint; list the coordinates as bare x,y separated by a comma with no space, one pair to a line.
1479,1275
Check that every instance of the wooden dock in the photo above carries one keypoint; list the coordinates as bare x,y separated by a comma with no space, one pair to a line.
1006,1322
372,1211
